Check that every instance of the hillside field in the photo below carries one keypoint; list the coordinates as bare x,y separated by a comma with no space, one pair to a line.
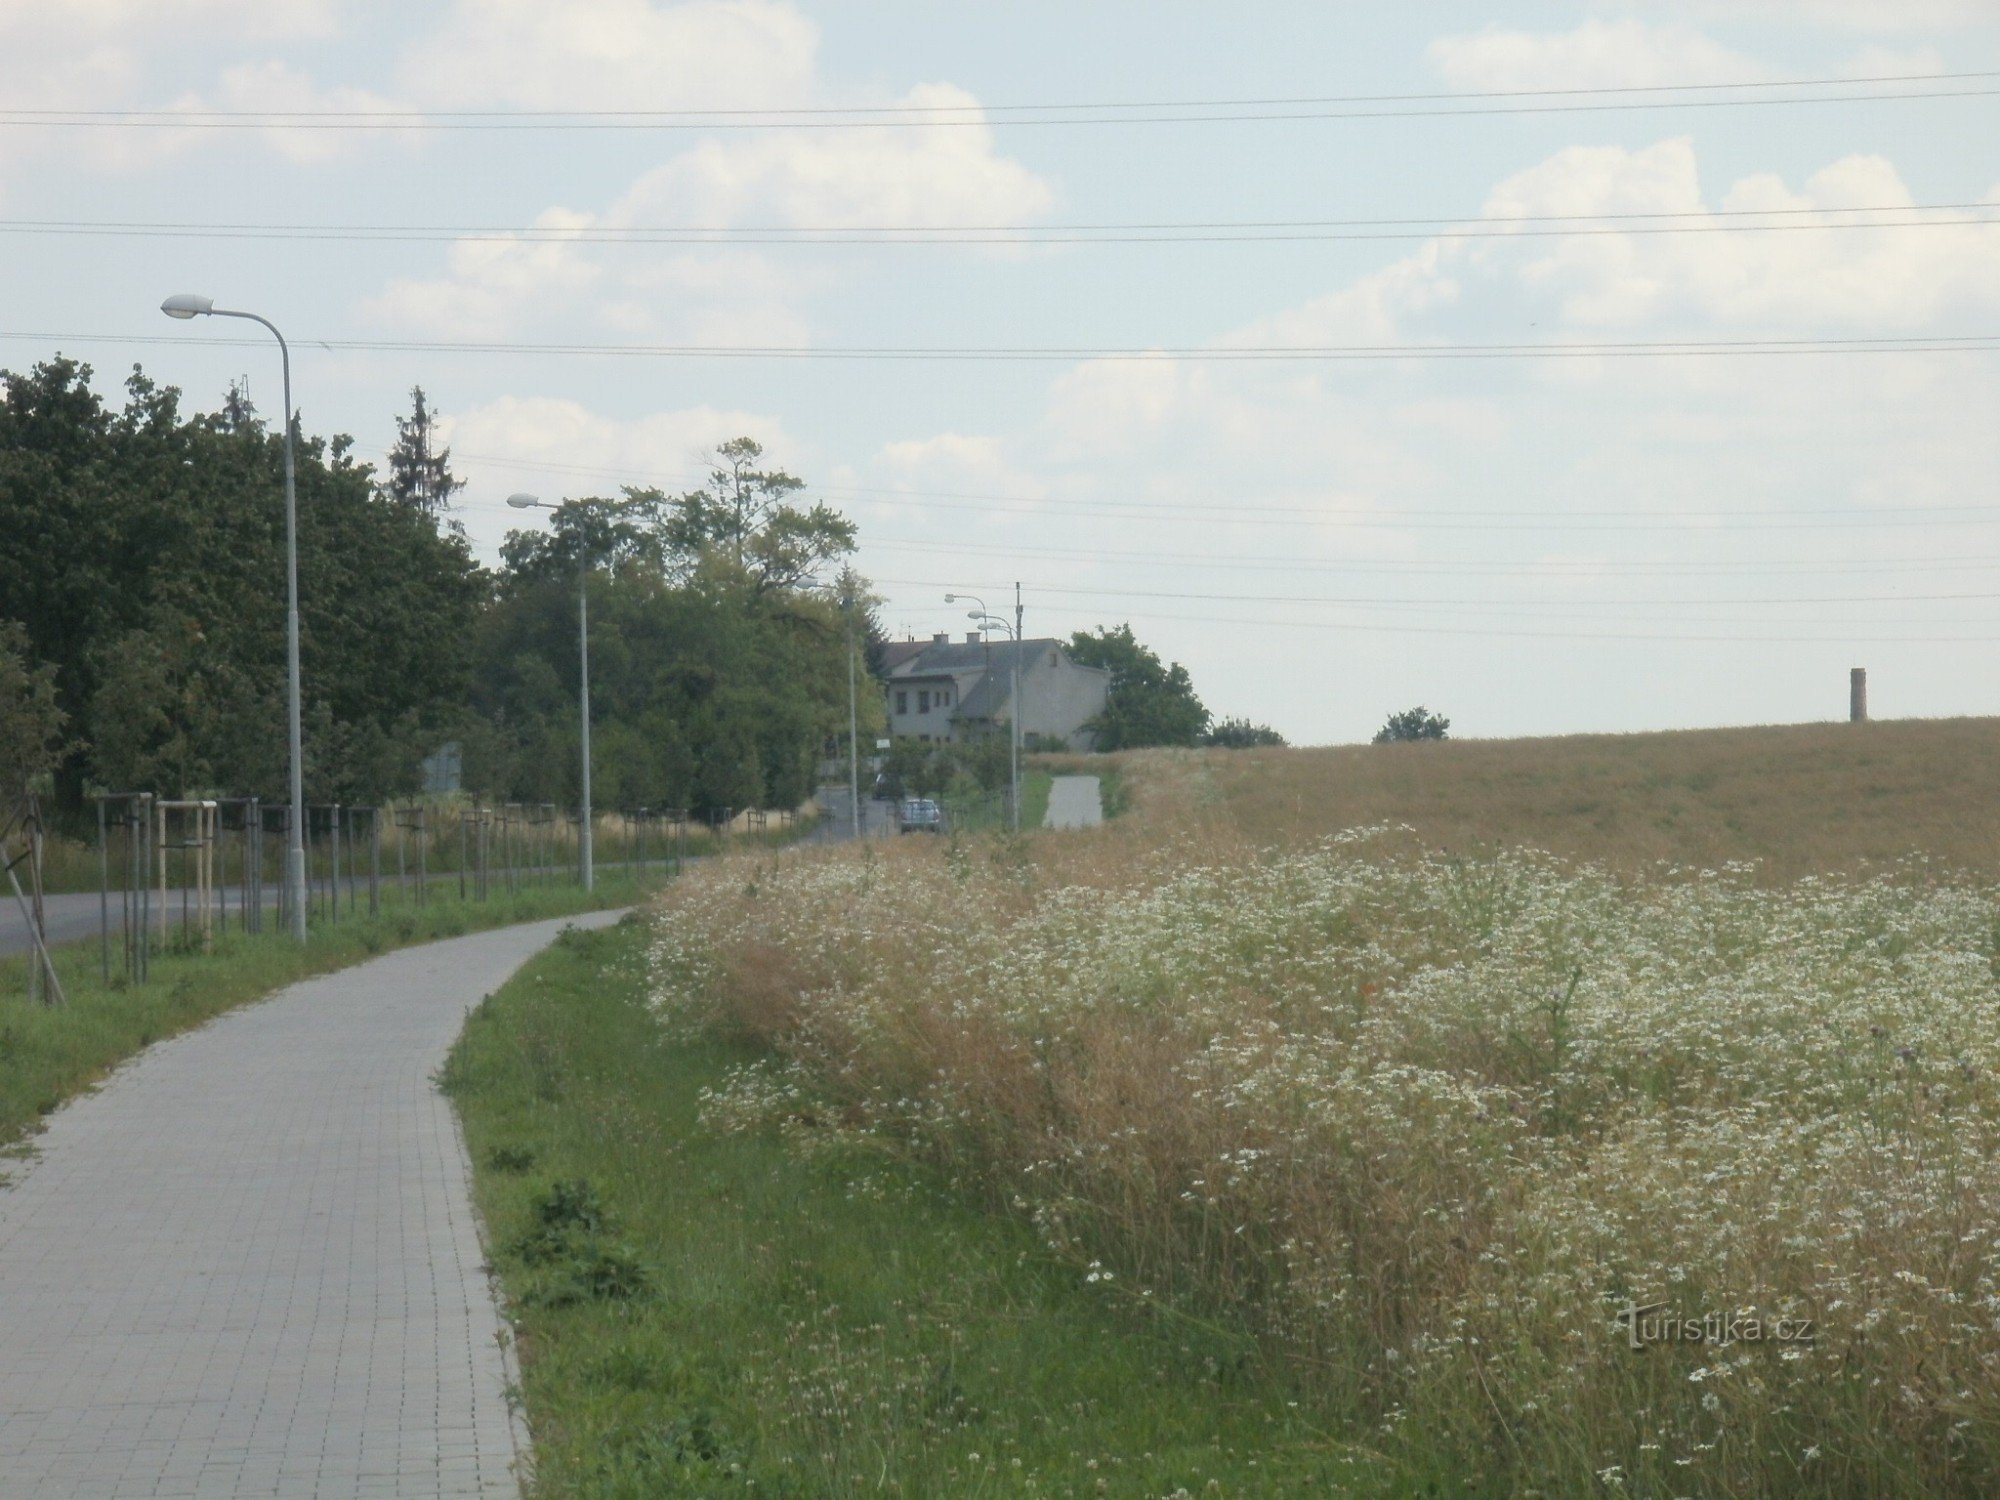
1801,799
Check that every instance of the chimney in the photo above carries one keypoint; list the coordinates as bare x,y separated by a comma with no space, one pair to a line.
1857,695
942,638
971,637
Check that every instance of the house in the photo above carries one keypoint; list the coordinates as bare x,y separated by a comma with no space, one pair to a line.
943,690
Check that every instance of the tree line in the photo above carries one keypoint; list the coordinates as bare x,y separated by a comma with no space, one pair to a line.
142,620
142,617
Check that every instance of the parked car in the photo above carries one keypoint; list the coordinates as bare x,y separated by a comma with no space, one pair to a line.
919,815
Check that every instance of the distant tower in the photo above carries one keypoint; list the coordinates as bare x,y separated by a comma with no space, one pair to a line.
1857,695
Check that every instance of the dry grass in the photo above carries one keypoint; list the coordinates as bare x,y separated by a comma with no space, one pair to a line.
1802,799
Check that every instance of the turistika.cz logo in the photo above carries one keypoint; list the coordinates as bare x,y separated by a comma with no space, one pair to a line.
1653,1324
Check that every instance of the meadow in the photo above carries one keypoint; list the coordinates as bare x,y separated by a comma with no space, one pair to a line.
1664,1162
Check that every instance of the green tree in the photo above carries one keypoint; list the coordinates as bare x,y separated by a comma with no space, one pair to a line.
31,721
711,638
745,514
1240,734
144,551
419,470
1150,702
1413,724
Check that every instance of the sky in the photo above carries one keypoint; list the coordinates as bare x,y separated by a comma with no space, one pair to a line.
1560,367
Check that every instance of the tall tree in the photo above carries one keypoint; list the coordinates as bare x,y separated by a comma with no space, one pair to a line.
31,721
143,549
744,515
1150,702
419,469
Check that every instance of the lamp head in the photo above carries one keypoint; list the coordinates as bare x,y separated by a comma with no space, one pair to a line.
525,501
187,305
951,598
973,614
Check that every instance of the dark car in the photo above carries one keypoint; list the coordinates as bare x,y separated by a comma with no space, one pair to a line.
919,815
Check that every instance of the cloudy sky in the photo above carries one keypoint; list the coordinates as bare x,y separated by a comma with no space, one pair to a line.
1360,356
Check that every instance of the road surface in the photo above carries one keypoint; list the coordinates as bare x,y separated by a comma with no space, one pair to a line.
248,1265
1074,802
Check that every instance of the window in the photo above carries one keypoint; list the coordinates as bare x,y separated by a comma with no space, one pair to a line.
944,698
923,701
902,702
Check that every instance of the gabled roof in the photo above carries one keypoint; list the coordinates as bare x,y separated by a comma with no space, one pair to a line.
955,658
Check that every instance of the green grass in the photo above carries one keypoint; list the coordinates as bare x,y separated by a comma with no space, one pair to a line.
707,1312
50,1053
982,812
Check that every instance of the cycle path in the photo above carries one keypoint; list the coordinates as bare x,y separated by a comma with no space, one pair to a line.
248,1265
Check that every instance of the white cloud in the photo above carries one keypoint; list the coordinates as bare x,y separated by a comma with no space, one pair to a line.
913,174
273,86
165,20
553,446
616,54
1598,54
1736,280
494,284
1880,16
1370,310
1109,405
957,462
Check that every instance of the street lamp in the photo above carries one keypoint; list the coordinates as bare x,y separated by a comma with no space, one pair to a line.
531,502
1013,708
984,638
186,305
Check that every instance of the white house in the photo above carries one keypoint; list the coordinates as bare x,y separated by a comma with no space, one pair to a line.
943,690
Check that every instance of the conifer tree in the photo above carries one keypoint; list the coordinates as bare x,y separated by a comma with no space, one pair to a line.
419,471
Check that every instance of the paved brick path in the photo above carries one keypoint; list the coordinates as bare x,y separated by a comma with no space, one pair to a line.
249,1266
1074,802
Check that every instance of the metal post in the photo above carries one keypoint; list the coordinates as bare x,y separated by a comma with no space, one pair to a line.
103,896
374,861
583,638
853,742
1014,756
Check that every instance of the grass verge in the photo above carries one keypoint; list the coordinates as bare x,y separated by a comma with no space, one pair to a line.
703,1311
50,1053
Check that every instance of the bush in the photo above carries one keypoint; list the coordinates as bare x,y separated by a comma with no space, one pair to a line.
1417,723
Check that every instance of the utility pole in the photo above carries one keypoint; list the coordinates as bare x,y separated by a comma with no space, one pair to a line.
583,637
853,740
1020,645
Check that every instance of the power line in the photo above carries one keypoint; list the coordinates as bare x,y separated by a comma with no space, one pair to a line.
1247,354
1556,226
1456,606
1853,517
1486,632
1541,572
1883,88
1231,508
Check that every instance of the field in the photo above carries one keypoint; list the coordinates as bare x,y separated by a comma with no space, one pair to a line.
1449,1125
1801,799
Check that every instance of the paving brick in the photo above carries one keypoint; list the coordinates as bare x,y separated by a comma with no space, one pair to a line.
248,1265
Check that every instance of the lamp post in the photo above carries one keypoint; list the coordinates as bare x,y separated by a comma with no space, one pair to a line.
531,502
186,305
1013,711
980,614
